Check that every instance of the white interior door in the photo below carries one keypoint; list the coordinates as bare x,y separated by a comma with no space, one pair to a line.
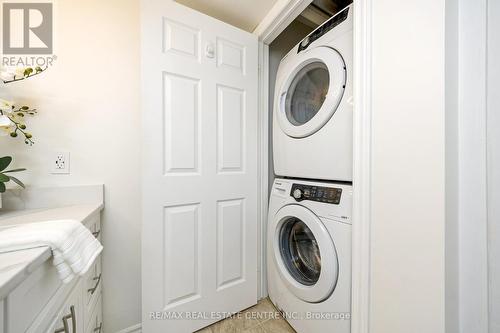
199,235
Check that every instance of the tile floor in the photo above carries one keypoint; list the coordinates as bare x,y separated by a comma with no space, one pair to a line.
261,318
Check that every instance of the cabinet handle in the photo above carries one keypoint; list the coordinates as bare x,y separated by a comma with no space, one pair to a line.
72,317
98,328
62,330
65,328
96,233
98,279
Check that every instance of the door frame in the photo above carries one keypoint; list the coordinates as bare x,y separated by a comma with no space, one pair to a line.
279,17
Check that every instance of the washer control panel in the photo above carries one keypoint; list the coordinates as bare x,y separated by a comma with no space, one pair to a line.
316,193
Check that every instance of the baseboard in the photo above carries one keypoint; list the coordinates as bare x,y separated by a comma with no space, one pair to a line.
131,329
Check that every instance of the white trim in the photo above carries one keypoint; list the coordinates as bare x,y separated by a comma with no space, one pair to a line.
263,163
362,173
278,18
132,329
473,209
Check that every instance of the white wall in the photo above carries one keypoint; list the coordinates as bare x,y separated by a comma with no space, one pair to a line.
493,156
89,106
408,189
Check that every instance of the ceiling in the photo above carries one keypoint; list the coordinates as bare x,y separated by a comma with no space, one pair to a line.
245,15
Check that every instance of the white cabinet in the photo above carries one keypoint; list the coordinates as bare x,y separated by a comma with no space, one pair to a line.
70,317
42,303
91,288
94,324
24,303
1,316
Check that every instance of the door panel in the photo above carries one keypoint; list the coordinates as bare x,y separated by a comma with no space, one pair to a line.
181,116
230,250
181,39
200,167
182,252
231,56
230,129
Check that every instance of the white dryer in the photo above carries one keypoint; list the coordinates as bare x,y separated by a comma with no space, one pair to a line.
309,254
312,113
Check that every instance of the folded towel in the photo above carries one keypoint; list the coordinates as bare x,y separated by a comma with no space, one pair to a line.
74,248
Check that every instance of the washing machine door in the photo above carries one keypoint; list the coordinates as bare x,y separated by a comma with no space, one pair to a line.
311,91
305,254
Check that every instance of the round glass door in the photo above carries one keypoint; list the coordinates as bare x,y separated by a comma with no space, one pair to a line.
307,93
312,84
300,251
304,253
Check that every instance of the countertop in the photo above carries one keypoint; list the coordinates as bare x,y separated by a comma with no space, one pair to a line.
15,266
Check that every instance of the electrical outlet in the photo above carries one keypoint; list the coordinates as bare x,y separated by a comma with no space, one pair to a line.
60,163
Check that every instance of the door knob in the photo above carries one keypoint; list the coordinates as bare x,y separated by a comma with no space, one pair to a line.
210,50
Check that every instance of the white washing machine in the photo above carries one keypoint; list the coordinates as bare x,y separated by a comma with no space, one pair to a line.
309,254
312,113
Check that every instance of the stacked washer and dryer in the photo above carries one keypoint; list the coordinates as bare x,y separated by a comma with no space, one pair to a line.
309,226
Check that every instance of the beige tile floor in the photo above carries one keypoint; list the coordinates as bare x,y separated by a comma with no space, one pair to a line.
261,318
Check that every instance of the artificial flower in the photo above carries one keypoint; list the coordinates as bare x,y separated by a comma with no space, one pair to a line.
6,106
20,72
5,121
7,75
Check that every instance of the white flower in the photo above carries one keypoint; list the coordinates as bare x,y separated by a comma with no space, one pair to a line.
5,121
6,106
4,131
7,75
19,72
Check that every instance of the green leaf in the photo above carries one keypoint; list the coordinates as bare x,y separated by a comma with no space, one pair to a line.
4,178
15,170
17,181
4,162
2,187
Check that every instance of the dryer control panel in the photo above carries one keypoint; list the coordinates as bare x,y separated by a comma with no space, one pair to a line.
323,29
324,194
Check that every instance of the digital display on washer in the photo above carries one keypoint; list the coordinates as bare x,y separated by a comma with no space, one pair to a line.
323,29
324,194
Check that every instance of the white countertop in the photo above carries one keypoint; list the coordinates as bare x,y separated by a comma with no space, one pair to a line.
15,266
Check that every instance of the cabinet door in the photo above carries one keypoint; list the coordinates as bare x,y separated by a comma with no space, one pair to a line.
95,321
70,318
91,288
1,316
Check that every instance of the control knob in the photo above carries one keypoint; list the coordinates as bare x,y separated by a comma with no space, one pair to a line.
305,42
297,193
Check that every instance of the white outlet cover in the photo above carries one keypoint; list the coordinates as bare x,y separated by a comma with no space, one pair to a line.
59,163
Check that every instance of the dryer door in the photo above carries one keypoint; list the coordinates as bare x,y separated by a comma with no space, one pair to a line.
305,254
311,91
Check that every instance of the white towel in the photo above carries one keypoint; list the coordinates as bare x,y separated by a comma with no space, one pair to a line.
74,248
